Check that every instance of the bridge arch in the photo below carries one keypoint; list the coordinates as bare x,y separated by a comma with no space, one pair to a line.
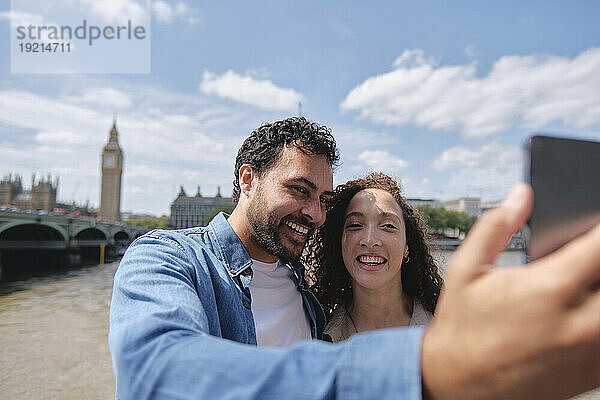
61,230
90,237
32,236
122,236
87,230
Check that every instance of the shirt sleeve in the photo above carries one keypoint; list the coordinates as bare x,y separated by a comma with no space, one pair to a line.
161,348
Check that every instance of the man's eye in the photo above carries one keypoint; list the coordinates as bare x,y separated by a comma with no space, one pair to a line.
353,225
325,200
300,189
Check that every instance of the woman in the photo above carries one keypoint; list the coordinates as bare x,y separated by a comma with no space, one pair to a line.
371,260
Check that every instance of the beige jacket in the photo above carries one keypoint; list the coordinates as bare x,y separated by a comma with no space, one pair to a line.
340,326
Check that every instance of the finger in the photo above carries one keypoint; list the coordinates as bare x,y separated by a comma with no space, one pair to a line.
488,237
584,325
578,262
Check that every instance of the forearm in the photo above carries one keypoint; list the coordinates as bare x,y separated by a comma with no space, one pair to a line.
380,365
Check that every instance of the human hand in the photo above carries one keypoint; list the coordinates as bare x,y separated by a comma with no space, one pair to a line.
515,333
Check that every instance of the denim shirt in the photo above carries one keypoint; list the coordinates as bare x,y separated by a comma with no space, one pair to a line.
181,326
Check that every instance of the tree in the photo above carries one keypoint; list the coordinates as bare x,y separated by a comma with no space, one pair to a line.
148,223
226,210
439,219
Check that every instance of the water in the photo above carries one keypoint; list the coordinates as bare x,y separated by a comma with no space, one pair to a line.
505,259
54,333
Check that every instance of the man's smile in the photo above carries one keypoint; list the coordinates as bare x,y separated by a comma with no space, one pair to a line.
298,229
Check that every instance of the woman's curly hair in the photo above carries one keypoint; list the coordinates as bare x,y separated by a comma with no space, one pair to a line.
332,283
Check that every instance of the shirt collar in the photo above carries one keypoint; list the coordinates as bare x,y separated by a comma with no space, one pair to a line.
234,254
232,251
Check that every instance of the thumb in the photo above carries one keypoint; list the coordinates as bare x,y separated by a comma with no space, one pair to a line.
488,237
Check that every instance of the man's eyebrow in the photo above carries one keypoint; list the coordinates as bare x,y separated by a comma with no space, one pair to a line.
310,184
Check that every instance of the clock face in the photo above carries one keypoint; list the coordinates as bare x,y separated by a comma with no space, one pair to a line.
109,161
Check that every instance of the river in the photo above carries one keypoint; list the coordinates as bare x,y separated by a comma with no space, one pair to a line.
54,334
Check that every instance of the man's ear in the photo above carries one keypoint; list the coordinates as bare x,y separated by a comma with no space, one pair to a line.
247,177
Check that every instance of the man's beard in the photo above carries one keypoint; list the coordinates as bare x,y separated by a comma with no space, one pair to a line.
267,230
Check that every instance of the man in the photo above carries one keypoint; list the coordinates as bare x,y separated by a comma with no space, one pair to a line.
189,306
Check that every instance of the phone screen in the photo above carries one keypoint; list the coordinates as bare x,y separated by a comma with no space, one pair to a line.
565,177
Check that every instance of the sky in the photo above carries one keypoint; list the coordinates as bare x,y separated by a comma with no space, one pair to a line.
441,95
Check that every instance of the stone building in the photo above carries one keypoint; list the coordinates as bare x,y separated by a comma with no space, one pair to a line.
433,203
469,205
112,171
188,211
41,196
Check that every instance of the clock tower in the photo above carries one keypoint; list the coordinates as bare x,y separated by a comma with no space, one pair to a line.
112,169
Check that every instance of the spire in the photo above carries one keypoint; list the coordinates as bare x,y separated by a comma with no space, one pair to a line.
114,134
198,192
181,192
219,191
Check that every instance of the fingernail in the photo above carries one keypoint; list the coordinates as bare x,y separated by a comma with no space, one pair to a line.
515,196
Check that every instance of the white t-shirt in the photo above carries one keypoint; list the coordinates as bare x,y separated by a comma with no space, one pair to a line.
279,315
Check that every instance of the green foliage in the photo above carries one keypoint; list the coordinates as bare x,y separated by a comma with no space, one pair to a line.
226,210
438,219
148,223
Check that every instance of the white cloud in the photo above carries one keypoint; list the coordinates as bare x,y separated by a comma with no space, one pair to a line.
470,51
108,11
382,160
165,13
486,171
481,157
106,96
528,91
413,58
59,138
164,136
21,18
115,11
263,94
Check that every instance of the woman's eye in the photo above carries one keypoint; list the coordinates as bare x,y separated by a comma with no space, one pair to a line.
389,226
353,225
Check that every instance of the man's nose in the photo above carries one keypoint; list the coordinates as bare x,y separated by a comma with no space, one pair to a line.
315,212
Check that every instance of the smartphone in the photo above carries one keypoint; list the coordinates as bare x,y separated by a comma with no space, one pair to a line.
565,177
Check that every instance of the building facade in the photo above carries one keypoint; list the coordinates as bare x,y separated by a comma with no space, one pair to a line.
41,196
416,203
111,164
188,211
469,205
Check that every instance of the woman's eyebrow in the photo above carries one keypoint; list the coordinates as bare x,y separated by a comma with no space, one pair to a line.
389,215
353,214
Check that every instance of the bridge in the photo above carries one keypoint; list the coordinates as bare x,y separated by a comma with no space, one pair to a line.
517,242
32,239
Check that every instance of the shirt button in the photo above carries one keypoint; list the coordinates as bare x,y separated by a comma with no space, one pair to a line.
232,271
246,304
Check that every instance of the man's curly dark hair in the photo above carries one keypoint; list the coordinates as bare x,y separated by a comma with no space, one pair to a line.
421,280
263,147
